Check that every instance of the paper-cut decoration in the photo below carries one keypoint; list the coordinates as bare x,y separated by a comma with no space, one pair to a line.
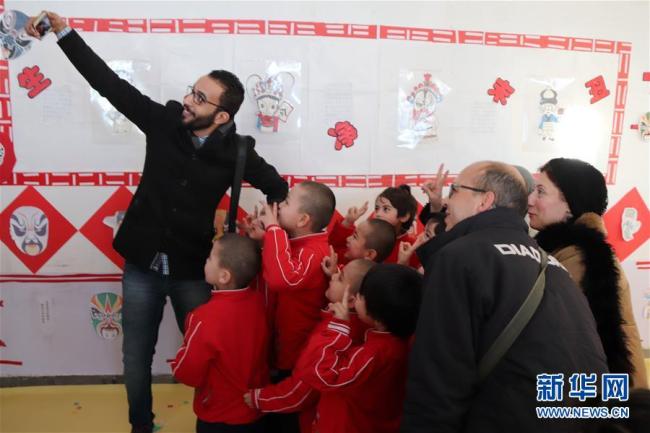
424,99
345,134
644,126
114,221
13,38
629,223
102,227
597,89
33,229
106,315
501,90
621,224
268,94
550,112
33,80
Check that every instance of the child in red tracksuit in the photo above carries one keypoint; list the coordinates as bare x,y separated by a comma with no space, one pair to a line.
397,206
294,245
362,386
292,394
373,239
225,348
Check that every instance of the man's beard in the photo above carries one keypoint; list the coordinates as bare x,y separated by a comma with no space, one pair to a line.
200,122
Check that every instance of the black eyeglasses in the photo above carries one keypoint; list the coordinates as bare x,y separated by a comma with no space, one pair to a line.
455,187
200,99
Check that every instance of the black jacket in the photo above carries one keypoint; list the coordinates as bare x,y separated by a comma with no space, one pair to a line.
173,208
477,277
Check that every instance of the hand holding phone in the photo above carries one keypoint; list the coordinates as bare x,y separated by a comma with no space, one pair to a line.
42,24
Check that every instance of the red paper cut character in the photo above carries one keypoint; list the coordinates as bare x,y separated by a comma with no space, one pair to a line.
597,89
345,134
501,90
34,80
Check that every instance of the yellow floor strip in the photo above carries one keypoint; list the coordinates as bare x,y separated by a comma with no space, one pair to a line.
90,408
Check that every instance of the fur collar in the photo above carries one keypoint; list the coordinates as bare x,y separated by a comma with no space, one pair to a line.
600,283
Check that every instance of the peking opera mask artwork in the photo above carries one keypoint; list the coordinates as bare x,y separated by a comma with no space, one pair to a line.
106,315
14,41
29,229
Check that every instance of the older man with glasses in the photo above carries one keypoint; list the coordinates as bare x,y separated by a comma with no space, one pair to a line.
165,237
477,276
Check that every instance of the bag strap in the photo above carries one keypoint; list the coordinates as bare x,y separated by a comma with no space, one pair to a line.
242,142
518,322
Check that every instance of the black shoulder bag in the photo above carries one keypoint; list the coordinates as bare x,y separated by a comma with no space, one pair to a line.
242,147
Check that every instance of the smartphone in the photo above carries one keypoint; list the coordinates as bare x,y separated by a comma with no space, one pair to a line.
42,24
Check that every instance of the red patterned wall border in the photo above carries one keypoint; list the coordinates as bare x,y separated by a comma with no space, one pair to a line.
133,179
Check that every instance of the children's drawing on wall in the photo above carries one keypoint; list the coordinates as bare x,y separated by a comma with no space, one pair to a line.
550,114
274,97
106,315
549,108
130,71
419,97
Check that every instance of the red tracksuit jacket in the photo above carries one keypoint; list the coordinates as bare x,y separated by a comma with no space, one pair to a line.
338,239
362,387
291,268
224,354
293,394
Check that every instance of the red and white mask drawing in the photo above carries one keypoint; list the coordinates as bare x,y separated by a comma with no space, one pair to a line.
424,98
268,94
29,228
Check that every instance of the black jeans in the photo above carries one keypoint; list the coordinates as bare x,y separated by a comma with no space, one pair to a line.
282,422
